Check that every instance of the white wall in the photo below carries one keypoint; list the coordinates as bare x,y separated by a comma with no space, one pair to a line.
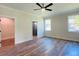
40,28
60,27
23,23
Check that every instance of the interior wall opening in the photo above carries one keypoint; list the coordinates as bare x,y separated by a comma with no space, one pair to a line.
7,31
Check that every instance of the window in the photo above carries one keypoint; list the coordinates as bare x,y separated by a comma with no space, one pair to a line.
73,23
47,25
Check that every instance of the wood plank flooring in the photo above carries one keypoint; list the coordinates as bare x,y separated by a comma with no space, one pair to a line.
7,42
42,47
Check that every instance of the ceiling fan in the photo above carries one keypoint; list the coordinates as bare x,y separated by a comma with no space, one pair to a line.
43,7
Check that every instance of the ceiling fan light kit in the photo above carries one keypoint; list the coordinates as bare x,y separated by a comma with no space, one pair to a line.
43,9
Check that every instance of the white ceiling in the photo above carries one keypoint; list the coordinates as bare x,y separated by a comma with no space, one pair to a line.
28,8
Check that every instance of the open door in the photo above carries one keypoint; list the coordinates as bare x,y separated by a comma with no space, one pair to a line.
34,27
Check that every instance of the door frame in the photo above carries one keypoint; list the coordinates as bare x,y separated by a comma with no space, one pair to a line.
13,18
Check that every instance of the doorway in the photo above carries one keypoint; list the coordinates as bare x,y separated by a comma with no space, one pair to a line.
7,31
34,27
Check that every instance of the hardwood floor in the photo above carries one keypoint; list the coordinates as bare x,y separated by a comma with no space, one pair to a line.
42,47
7,42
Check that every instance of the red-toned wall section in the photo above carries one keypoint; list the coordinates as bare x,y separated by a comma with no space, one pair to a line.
7,31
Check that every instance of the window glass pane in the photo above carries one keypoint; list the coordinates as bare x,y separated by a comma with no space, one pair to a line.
47,21
48,25
73,23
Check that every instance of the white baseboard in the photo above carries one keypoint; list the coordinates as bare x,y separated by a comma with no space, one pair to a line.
64,38
23,40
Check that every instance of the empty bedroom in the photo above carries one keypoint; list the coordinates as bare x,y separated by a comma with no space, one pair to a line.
39,29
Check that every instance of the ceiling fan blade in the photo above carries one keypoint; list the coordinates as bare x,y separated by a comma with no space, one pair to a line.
42,4
49,9
49,5
39,5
